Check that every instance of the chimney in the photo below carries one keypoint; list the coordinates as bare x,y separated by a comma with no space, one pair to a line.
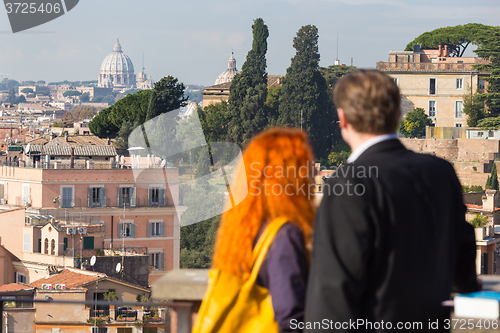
445,51
440,51
66,136
489,200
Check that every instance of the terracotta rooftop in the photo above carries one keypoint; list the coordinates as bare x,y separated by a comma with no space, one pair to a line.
72,277
471,206
14,287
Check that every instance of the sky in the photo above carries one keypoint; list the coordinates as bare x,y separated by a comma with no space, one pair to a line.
192,40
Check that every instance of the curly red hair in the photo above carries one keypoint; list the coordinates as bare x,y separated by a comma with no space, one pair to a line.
277,169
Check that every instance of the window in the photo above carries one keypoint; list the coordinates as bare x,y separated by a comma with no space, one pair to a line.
459,107
67,197
156,196
21,278
432,109
65,243
126,196
53,247
482,84
2,194
432,87
126,230
460,83
124,330
458,125
97,196
26,242
156,229
22,302
26,195
157,259
98,330
395,79
46,246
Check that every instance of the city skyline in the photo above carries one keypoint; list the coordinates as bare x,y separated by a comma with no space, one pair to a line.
194,40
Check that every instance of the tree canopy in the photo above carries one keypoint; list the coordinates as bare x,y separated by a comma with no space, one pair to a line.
489,123
458,38
414,123
490,49
248,91
304,98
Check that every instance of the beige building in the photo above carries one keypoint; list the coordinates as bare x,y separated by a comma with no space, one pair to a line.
487,242
75,285
435,82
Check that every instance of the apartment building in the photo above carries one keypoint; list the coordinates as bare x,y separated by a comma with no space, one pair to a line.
78,286
137,208
435,82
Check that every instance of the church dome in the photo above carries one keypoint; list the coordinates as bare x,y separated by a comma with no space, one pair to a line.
227,75
118,67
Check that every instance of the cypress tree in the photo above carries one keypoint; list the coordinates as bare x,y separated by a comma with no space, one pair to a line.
494,177
248,91
304,97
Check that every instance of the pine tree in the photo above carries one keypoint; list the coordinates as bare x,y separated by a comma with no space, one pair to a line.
490,48
248,91
304,99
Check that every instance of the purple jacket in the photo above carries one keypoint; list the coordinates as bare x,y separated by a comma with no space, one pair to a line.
284,273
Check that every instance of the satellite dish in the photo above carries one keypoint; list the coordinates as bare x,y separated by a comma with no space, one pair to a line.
28,146
118,268
163,163
92,261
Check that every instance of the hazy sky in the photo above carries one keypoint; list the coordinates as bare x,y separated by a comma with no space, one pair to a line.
192,40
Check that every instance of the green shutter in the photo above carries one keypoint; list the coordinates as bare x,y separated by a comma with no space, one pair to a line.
88,243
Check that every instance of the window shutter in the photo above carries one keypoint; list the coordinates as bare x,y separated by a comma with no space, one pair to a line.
161,259
132,196
89,198
132,230
150,229
120,230
2,191
151,259
149,196
120,197
103,197
162,197
162,229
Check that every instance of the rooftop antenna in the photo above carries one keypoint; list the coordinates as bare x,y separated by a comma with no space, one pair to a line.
143,62
337,62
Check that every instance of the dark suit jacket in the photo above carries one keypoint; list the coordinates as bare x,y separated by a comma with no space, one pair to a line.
394,250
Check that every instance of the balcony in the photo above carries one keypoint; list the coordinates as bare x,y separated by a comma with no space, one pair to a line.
424,67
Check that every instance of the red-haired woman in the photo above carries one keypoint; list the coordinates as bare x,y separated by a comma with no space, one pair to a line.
278,169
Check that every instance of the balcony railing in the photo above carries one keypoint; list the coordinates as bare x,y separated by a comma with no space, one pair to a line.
125,314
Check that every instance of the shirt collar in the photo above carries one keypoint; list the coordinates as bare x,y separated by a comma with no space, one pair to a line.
367,144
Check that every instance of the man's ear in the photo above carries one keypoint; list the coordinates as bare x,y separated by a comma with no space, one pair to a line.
342,120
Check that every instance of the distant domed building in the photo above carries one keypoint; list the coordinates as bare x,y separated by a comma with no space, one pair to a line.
227,75
117,70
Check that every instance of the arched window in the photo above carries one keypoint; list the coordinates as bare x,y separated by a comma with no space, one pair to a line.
53,247
46,247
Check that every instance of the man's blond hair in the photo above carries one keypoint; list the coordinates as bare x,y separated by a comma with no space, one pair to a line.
370,100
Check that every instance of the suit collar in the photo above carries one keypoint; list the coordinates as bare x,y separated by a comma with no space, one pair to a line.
367,144
381,147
